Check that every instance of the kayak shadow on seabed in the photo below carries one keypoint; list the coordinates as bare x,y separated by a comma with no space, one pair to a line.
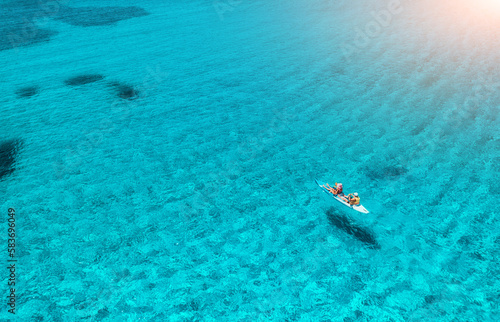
344,223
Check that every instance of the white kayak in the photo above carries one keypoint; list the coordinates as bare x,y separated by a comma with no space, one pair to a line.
359,207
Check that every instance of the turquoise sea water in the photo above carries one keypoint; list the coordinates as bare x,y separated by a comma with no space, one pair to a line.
161,158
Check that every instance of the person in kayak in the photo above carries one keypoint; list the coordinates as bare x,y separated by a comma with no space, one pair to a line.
353,199
338,190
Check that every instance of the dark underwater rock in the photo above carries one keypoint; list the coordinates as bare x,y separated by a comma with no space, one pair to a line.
8,154
83,79
28,91
125,91
98,16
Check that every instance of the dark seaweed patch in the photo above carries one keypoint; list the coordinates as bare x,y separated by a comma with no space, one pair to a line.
394,171
429,299
360,233
18,26
98,16
387,172
83,79
8,153
18,19
125,91
356,283
27,91
12,37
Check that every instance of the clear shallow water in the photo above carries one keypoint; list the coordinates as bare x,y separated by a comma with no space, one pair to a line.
196,199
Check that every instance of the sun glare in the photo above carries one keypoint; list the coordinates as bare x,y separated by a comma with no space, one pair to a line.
480,13
489,8
490,4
